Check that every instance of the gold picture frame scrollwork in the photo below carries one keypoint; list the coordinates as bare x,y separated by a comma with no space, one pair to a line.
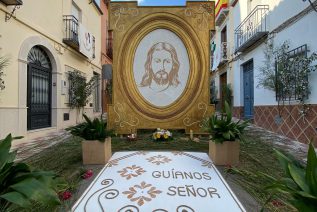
130,110
189,122
119,12
203,13
122,118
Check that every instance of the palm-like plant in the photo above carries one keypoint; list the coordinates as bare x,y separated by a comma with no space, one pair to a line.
300,182
20,186
91,130
223,128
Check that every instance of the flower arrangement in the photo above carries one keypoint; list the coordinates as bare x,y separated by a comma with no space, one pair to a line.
162,135
132,137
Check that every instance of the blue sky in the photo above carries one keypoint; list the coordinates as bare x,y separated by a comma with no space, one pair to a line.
158,2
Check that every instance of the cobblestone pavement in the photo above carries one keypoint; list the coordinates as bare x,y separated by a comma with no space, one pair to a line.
36,145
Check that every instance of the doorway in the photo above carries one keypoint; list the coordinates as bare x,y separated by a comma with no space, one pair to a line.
39,89
248,89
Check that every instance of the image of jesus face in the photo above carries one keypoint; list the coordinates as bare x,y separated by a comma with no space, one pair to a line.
161,67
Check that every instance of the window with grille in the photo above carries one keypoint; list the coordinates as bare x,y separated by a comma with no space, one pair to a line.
290,76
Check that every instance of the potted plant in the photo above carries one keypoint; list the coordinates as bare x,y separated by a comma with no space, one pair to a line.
96,148
224,147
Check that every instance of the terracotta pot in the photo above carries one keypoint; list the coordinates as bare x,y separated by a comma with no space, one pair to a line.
96,152
226,153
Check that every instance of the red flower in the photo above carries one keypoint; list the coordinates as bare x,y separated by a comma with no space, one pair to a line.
65,195
87,174
277,203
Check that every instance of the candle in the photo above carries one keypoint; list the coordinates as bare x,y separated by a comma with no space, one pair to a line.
191,135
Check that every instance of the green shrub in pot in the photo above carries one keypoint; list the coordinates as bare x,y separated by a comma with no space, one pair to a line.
96,148
91,129
223,128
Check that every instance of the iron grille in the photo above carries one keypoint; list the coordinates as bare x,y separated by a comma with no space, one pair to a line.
292,76
224,51
12,2
252,28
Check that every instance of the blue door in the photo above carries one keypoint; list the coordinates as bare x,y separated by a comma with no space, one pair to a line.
248,89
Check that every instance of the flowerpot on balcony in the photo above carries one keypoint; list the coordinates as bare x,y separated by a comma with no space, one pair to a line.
96,152
226,153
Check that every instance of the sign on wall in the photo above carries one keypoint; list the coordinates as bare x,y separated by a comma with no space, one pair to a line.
85,42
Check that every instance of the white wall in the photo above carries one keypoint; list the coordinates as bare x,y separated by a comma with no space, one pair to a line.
302,32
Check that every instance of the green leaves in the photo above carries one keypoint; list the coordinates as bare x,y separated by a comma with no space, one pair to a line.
91,130
300,182
311,169
79,89
19,185
17,198
36,191
223,128
5,155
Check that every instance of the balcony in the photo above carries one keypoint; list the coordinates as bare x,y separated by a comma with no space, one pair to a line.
109,51
224,54
252,28
12,2
71,31
224,51
221,12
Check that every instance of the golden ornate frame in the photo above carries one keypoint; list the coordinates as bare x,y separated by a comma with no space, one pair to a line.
130,24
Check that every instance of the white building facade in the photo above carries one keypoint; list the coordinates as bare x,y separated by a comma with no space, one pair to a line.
252,25
45,41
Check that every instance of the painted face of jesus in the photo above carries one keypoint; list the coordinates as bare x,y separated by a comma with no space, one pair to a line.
162,65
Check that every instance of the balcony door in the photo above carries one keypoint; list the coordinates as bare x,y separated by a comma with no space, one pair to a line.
39,91
248,89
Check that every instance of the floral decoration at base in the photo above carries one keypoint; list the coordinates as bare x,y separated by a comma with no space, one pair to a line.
132,137
87,174
162,135
65,195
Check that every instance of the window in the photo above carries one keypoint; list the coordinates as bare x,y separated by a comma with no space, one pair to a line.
76,12
290,76
76,84
97,2
96,93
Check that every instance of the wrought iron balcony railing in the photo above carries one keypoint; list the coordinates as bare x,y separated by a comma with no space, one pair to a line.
109,48
71,31
224,51
12,2
252,28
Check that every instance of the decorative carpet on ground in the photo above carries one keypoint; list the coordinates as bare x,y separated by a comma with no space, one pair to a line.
159,182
